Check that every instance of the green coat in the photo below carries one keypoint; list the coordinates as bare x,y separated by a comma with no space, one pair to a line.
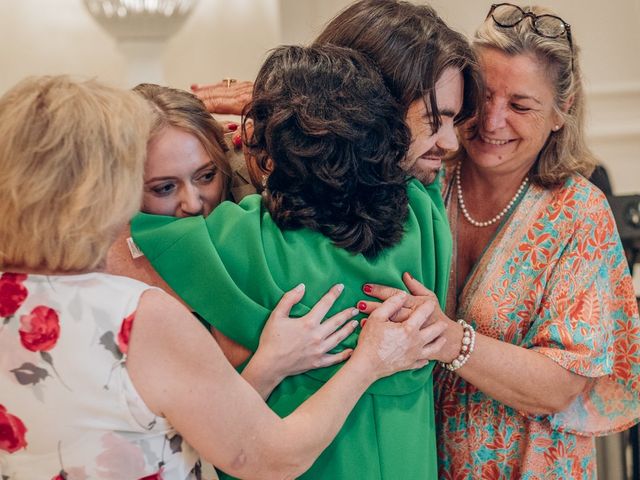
234,266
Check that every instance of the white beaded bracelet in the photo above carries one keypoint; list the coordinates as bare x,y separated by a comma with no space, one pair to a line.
468,343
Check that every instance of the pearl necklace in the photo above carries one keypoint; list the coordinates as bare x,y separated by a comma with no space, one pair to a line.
504,211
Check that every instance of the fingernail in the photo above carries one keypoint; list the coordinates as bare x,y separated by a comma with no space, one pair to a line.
410,276
340,287
362,306
237,141
299,288
355,312
367,288
363,322
232,127
354,323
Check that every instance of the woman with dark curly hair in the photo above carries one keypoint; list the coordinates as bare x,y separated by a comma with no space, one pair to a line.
337,151
337,208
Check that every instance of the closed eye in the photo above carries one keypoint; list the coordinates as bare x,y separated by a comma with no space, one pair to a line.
520,108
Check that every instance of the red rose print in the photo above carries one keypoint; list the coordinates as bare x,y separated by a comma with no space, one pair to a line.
12,293
155,476
40,329
125,333
12,432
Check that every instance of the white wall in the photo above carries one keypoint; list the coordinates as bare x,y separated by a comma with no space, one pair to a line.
219,39
226,38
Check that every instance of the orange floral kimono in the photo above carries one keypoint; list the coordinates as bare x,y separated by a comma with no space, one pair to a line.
553,279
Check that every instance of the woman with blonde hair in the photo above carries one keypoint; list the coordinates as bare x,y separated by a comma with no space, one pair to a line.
191,166
103,376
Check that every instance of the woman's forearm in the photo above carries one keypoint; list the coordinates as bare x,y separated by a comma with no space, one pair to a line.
259,372
324,413
261,376
521,378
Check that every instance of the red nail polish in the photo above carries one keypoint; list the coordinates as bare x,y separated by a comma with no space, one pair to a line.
363,322
362,306
367,288
232,127
237,141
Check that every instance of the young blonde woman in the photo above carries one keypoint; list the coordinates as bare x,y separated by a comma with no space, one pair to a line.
191,168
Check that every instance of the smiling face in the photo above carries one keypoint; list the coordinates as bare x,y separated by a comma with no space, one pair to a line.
427,149
518,115
180,178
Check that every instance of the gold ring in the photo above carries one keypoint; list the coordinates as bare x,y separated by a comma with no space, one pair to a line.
229,81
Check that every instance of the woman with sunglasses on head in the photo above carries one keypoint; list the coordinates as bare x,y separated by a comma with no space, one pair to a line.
547,352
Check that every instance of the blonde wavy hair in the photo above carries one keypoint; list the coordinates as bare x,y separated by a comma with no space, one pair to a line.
71,164
183,110
566,151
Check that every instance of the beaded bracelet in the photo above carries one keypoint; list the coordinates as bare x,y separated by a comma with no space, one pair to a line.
466,349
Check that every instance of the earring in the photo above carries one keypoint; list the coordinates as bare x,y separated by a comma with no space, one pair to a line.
556,128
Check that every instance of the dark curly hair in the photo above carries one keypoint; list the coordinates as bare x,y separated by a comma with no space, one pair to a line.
335,136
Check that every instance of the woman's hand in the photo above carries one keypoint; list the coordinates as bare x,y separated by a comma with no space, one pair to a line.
224,97
388,347
289,346
420,295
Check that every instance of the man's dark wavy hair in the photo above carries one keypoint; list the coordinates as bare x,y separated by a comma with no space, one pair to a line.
335,136
412,46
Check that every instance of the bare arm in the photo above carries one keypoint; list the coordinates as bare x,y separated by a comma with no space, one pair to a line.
181,374
521,378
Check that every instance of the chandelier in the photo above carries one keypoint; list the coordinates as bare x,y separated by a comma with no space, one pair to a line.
140,19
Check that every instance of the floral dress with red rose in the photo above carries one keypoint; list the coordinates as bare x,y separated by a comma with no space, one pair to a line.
554,279
68,409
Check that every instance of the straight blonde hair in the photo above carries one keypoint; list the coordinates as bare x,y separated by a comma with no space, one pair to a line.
71,163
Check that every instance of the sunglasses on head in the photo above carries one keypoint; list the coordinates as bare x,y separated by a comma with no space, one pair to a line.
507,15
